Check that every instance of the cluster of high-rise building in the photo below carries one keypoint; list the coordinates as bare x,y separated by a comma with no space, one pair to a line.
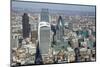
44,38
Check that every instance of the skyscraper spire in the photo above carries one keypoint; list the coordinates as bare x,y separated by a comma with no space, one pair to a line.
60,23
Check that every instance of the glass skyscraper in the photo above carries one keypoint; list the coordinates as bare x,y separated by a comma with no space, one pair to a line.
44,15
60,28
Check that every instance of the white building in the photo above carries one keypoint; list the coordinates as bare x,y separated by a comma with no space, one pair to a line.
44,37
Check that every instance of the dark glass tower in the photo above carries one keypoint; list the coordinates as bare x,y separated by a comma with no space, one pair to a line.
26,25
38,56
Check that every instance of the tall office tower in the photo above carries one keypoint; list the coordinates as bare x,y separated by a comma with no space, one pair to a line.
26,25
60,29
44,37
44,15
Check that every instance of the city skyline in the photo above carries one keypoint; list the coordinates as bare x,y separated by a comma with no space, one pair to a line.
49,33
53,8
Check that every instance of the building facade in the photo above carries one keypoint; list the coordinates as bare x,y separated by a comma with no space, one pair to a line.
44,37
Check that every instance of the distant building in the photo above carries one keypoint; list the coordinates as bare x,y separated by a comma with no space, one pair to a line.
26,25
74,43
70,26
44,15
14,40
34,36
44,37
60,29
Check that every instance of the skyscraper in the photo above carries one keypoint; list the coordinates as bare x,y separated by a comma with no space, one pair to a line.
44,15
60,28
26,25
44,30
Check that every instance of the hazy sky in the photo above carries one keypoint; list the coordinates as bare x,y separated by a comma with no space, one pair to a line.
53,6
